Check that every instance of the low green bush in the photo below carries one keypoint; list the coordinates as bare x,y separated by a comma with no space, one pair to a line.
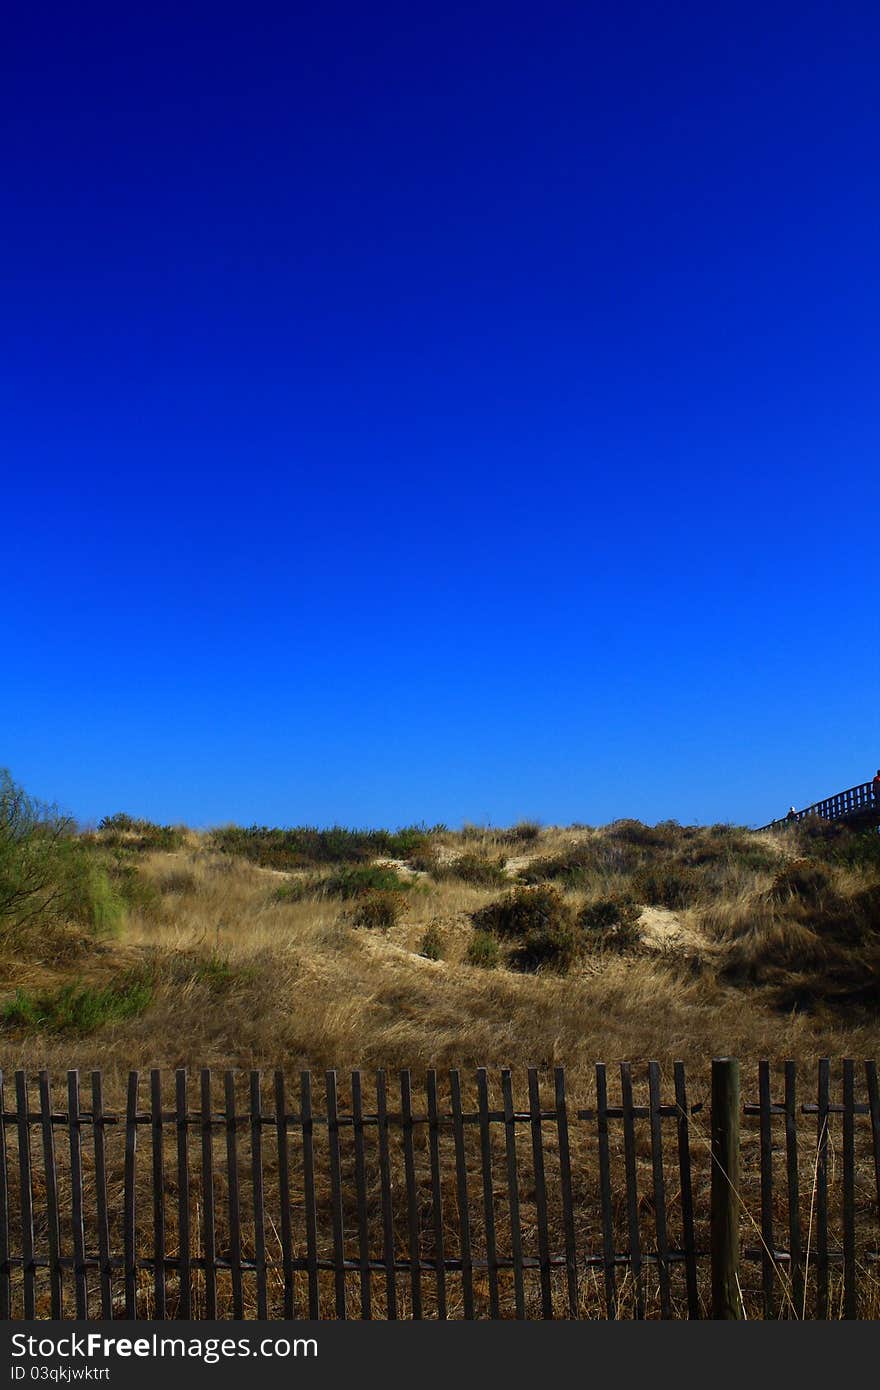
177,882
672,885
432,944
215,971
611,922
471,868
305,846
555,948
379,909
122,831
804,879
78,1010
367,878
295,890
522,911
525,832
483,950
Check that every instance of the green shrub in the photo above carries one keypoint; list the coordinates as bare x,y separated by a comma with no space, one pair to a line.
611,922
369,878
522,911
305,846
803,879
295,890
214,971
380,909
857,850
77,1010
432,944
48,876
122,831
134,888
483,950
674,886
579,866
423,860
470,868
554,948
178,881
525,832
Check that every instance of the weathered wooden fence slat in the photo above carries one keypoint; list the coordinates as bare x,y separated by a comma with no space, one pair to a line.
687,1195
605,1191
27,1211
53,1225
183,1224
461,1188
387,1207
513,1194
566,1191
768,1267
256,1112
158,1194
102,1208
232,1193
208,1227
823,1103
284,1192
540,1193
632,1189
659,1189
488,1197
436,1191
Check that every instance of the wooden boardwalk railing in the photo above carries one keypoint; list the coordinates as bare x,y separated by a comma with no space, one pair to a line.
443,1201
860,804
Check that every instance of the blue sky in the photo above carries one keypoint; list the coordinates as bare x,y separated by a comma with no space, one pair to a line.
440,411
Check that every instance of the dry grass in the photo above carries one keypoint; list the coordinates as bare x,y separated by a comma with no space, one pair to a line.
247,978
306,988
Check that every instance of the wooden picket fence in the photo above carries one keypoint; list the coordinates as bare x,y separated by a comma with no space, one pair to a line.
466,1200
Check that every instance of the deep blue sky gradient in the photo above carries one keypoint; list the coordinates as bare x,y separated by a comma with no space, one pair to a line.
440,411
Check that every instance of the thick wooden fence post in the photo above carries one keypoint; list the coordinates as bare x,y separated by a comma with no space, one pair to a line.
724,1239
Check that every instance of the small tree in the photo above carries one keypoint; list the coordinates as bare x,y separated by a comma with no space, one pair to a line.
35,839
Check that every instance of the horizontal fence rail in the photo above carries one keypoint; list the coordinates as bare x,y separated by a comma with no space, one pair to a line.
460,1197
859,804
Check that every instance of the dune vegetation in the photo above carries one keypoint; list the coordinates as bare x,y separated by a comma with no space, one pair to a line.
135,945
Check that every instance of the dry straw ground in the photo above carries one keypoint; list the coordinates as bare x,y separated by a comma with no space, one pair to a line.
245,952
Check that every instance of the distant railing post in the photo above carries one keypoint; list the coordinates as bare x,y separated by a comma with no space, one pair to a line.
724,1237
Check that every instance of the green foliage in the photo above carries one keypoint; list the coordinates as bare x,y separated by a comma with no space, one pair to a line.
423,860
122,831
611,922
525,832
295,890
581,865
523,911
305,846
134,888
673,885
177,882
471,868
214,971
483,950
432,944
860,852
556,947
77,1010
35,842
49,877
803,879
379,909
367,878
